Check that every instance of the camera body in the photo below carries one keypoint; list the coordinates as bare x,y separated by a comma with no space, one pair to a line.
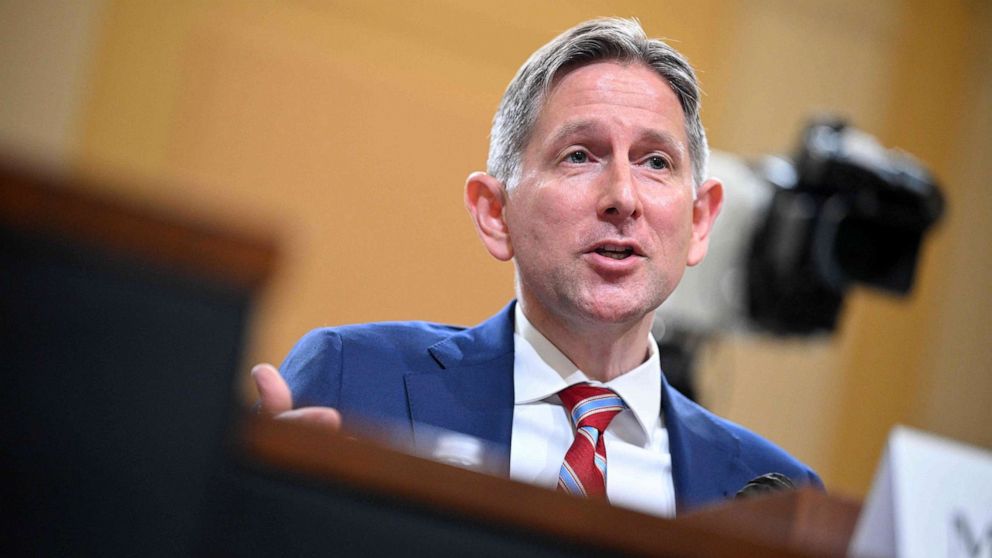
849,212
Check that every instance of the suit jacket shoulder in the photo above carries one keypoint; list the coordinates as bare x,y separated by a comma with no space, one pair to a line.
410,375
375,356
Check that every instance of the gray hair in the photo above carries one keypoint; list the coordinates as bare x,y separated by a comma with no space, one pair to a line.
595,40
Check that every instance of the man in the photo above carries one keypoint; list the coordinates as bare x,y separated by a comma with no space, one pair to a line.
595,190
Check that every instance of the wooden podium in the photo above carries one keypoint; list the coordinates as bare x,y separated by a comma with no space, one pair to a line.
469,508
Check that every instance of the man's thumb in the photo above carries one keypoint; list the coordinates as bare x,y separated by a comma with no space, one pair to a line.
273,392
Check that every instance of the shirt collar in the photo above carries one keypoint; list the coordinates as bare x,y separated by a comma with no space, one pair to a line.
541,370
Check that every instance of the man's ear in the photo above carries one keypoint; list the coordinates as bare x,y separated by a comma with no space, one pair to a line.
485,199
705,208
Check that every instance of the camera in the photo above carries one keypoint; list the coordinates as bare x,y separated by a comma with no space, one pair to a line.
846,212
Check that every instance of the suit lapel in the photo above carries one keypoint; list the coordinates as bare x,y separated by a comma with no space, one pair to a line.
471,388
706,467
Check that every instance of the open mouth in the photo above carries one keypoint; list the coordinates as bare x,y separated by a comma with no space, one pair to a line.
615,252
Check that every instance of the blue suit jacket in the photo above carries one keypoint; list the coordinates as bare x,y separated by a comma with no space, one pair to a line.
412,374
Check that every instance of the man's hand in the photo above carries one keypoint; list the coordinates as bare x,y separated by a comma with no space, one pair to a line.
277,401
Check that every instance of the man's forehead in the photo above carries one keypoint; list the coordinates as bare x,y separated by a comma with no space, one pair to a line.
569,106
632,69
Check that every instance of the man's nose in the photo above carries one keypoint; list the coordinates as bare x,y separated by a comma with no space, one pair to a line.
619,199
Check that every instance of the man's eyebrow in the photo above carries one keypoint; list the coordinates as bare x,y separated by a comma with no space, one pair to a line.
649,136
664,138
575,127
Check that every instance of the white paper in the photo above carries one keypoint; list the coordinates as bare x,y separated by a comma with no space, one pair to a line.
931,497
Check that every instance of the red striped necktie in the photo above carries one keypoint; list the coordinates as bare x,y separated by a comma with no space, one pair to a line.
591,409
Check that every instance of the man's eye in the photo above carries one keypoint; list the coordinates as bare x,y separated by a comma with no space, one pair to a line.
577,157
657,162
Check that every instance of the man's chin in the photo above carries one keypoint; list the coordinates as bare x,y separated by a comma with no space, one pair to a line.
590,302
616,309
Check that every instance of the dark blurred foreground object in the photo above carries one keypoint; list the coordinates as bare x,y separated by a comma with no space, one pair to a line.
121,333
846,212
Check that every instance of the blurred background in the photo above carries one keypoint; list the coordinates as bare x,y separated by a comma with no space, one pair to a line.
344,131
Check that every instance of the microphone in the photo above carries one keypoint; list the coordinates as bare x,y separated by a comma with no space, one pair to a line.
766,484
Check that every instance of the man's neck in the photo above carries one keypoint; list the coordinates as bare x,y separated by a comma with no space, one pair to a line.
602,351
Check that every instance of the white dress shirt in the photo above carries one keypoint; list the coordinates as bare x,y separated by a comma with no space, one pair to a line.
639,465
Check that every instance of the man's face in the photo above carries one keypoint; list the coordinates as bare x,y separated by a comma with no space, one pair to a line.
602,221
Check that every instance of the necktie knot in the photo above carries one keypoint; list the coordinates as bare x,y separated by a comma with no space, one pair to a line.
591,410
591,406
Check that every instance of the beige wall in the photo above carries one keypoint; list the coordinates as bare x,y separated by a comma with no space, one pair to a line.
346,130
954,396
43,80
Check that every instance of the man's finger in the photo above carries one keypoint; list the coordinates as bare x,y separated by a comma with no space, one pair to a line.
324,417
273,392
